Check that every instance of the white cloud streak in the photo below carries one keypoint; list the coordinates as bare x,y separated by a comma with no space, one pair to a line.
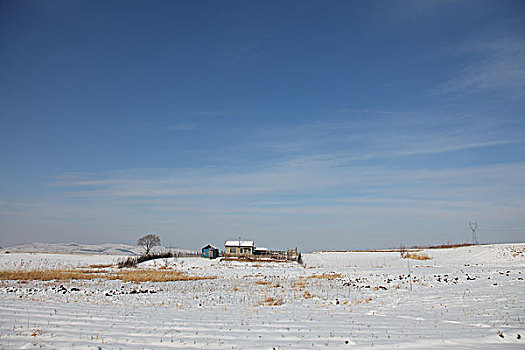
500,66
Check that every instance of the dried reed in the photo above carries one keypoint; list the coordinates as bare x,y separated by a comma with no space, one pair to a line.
416,256
327,276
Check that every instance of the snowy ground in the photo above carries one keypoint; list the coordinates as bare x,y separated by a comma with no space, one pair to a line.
471,297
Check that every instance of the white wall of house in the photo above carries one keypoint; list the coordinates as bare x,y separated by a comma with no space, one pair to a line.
238,248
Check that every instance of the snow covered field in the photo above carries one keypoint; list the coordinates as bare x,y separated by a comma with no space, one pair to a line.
470,297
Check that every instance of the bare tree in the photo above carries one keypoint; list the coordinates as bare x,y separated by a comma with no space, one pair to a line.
148,242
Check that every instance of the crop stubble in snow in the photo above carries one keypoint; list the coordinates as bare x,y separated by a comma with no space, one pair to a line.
467,297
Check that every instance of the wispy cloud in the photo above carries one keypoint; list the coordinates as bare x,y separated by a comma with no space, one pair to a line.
334,159
493,66
312,182
370,136
347,158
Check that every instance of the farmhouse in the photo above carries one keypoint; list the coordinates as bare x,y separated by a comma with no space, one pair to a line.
210,252
238,248
247,249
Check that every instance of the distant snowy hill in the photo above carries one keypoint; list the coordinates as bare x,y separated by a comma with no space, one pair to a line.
75,248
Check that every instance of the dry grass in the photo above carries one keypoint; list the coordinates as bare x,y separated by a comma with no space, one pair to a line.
263,283
307,295
327,276
36,332
156,276
416,256
90,271
361,301
447,246
299,285
46,275
126,276
272,301
516,252
100,266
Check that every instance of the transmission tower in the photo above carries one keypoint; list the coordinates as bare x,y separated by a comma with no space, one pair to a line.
473,227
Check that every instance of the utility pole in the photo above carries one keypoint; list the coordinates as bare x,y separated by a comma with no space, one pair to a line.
473,227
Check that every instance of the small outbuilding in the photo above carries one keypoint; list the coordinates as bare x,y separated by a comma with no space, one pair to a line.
261,251
210,252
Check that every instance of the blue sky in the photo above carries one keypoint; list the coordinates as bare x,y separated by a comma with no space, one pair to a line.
318,124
